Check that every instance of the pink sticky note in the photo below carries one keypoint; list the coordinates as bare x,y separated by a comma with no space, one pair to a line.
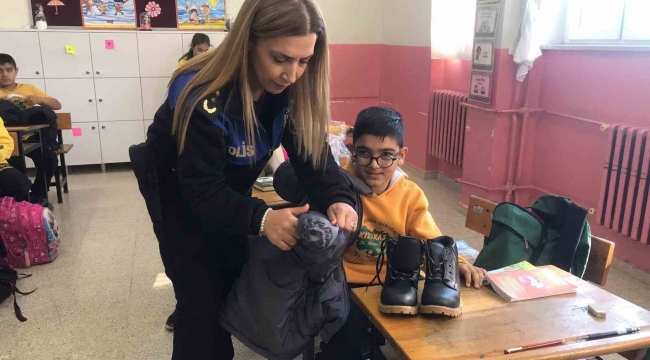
76,131
110,44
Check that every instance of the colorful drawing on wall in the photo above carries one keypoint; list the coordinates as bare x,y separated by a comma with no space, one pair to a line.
108,14
60,12
201,14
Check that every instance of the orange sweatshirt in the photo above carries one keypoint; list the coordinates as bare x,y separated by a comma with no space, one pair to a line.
403,209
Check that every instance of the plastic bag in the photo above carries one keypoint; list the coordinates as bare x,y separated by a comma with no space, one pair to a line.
336,140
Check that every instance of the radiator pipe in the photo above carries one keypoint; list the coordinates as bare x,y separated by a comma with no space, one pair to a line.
603,126
514,188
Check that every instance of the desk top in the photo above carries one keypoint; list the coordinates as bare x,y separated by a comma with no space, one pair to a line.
489,325
271,198
25,128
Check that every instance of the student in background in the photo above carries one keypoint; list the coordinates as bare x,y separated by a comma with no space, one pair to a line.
200,44
12,182
25,96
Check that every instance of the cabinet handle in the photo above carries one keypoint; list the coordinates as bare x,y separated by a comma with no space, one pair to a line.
38,72
87,72
93,128
100,100
90,100
97,72
103,127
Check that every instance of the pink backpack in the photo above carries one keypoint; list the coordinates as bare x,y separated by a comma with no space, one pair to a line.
28,232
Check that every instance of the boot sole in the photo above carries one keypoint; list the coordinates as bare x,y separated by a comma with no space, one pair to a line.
442,310
398,309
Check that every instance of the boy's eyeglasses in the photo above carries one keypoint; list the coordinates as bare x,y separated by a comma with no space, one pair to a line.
384,161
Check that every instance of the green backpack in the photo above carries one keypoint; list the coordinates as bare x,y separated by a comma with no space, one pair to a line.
554,231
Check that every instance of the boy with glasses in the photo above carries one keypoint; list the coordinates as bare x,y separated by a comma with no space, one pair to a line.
397,207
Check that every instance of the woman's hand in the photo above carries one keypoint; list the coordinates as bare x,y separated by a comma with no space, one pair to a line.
280,226
344,216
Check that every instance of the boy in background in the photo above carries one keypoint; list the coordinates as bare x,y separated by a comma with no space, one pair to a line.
26,96
397,207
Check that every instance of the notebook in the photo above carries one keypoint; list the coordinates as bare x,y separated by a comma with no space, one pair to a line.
538,282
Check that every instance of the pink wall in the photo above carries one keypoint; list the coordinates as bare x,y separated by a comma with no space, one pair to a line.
355,79
405,86
607,86
560,155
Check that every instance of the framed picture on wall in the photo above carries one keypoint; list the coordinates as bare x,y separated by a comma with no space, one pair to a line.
483,54
480,87
201,14
108,14
486,21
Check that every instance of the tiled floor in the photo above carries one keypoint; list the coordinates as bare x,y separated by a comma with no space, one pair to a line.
96,301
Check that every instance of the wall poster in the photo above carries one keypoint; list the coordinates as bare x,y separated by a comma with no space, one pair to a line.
108,14
201,14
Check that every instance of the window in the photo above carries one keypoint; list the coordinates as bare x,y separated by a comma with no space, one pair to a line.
608,21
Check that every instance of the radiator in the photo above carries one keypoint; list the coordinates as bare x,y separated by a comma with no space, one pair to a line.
447,126
624,205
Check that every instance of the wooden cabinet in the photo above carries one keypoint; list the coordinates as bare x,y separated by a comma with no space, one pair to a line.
115,55
77,97
118,99
117,137
159,53
87,148
154,93
61,64
24,48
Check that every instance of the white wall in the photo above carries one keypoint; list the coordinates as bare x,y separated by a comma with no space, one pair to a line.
15,14
406,22
353,21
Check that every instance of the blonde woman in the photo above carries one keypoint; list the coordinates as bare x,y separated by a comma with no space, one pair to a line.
266,85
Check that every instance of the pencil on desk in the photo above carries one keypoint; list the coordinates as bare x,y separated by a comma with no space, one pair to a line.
533,346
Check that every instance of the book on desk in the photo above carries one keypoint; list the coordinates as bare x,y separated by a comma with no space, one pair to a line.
523,281
264,183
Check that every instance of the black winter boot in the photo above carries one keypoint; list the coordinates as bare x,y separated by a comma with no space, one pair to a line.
441,294
399,294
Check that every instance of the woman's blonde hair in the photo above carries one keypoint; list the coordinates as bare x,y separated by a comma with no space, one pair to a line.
258,20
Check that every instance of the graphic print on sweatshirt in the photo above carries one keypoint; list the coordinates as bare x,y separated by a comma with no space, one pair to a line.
368,243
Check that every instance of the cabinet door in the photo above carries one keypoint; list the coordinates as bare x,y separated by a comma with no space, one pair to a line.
118,99
59,63
114,55
159,53
154,93
24,48
87,149
117,137
215,39
77,97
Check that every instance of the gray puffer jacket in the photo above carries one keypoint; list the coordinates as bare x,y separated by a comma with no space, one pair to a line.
283,299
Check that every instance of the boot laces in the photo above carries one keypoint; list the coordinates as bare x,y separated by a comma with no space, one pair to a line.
396,274
434,269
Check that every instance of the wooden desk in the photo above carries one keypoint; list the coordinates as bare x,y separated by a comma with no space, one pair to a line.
489,324
271,198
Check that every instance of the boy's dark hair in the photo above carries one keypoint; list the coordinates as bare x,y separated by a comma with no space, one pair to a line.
379,121
7,59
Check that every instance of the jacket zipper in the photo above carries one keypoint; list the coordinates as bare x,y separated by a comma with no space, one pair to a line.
527,243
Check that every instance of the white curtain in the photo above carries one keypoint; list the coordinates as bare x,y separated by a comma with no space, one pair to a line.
452,28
